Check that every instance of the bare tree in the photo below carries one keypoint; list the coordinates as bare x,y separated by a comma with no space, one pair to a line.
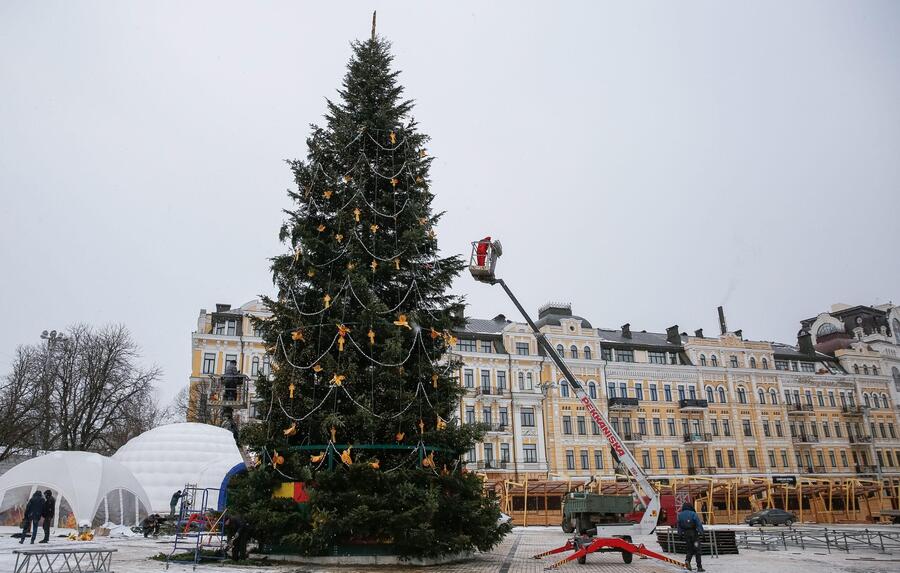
180,409
20,402
99,391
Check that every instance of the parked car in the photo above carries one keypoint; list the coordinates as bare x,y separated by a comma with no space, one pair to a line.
771,517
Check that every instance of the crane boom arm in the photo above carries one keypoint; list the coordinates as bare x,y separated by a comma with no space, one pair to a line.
645,489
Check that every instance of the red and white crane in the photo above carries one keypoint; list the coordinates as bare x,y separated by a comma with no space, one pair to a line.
482,265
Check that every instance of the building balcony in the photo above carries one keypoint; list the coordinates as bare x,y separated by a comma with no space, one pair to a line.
231,394
805,439
689,404
699,471
631,437
703,437
812,469
861,440
799,408
491,465
854,410
622,403
861,469
498,428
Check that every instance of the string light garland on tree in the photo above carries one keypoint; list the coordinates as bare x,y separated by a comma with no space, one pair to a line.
363,198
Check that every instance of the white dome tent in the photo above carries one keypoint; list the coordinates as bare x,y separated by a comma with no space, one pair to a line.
90,490
166,458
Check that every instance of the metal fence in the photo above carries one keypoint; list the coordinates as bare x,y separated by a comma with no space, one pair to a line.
838,540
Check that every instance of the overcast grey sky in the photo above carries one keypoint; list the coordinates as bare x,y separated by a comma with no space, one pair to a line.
645,161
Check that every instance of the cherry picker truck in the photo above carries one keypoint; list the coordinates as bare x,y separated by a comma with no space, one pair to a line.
604,537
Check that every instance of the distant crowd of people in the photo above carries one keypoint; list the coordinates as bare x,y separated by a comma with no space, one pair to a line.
40,506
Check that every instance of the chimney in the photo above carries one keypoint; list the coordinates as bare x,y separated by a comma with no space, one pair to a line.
672,335
626,330
804,341
698,333
722,326
739,333
222,307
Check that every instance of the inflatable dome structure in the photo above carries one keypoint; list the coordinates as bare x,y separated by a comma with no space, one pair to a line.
167,458
90,490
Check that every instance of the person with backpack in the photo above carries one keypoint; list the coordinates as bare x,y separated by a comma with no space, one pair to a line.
691,529
33,512
49,513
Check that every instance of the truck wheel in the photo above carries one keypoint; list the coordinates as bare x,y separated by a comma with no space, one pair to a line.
627,557
567,526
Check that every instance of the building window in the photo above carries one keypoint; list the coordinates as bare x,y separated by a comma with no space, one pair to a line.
645,459
731,458
762,396
767,432
564,389
719,463
781,365
653,395
657,427
657,357
765,364
661,459
714,427
598,459
521,378
587,352
611,389
485,381
488,454
465,345
726,427
530,381
779,431
681,393
522,348
254,366
773,396
807,367
866,400
741,395
504,453
844,458
472,456
826,429
667,392
570,459
560,351
753,363
676,460
232,327
772,463
220,328
642,426
734,361
606,354
573,350
470,414
638,390
504,417
837,430
702,360
486,347
267,366
856,368
595,429
501,381
582,427
567,425
469,378
713,360
486,417
530,451
671,424
584,460
722,396
528,417
592,390
784,459
625,355
209,363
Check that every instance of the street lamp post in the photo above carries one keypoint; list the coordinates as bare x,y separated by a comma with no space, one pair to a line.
53,338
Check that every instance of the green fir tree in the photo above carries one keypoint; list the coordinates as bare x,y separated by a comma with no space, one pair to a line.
360,337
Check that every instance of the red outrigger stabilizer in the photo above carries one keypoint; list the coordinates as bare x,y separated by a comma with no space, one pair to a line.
584,545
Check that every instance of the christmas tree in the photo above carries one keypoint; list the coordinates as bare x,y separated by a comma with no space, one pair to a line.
362,401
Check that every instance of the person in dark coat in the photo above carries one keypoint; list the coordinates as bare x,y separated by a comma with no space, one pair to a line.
238,536
691,528
151,524
33,512
49,513
174,502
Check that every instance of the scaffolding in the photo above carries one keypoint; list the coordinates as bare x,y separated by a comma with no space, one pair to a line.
718,500
198,528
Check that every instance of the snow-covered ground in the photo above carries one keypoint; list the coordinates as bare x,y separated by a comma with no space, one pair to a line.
513,555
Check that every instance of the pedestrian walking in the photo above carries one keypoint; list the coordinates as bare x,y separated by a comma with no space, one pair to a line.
48,514
33,512
691,529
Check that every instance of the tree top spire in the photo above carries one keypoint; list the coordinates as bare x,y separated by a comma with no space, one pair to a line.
374,13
